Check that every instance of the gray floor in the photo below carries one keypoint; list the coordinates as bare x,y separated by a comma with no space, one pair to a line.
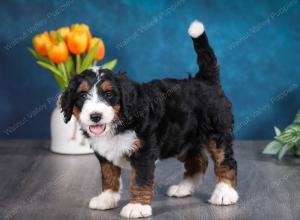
37,184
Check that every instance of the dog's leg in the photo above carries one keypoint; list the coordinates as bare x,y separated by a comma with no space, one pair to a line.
111,185
195,166
141,187
226,171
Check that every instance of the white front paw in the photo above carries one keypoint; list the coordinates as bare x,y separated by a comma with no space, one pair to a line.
224,194
136,210
106,200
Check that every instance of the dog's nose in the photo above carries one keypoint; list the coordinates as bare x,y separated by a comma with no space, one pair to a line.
96,117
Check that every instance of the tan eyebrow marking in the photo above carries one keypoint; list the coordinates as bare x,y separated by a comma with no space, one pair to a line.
106,85
84,86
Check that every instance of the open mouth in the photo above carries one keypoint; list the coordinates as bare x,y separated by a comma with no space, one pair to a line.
97,129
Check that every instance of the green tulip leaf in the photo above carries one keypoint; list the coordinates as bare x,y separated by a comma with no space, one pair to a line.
110,65
58,37
70,67
50,67
272,148
59,67
62,69
87,61
62,82
38,57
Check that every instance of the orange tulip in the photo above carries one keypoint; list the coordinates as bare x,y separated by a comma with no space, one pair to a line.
52,36
84,28
41,43
101,48
77,41
64,32
58,52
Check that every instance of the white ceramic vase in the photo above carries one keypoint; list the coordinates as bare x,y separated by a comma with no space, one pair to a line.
67,138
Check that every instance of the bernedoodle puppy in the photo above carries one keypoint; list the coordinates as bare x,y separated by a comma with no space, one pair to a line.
132,125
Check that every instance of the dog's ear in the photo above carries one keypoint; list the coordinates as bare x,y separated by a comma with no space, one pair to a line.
67,99
128,96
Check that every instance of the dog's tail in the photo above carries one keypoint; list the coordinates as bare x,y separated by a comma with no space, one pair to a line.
206,59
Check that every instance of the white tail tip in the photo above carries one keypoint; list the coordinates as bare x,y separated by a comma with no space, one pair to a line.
196,29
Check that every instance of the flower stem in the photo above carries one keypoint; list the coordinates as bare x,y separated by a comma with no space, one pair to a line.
95,63
64,71
78,63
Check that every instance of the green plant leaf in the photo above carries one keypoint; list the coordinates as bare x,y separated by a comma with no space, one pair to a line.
110,65
284,150
291,134
39,57
50,67
62,82
70,66
272,148
58,37
59,69
87,61
62,69
277,131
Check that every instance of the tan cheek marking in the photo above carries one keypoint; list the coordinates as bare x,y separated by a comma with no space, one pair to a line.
140,194
223,173
117,109
76,112
106,85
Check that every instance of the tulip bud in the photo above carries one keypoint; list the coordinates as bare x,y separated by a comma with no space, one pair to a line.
41,43
64,32
77,41
58,52
101,48
84,28
52,36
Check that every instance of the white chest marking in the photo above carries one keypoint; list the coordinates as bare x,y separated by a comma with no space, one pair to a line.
115,148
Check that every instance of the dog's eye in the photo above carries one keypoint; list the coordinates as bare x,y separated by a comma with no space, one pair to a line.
83,95
108,95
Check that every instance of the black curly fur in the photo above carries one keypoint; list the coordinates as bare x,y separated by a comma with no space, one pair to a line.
67,99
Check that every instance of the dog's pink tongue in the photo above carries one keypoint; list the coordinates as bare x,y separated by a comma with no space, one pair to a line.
97,129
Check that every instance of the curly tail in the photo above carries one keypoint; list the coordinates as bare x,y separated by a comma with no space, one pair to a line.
206,59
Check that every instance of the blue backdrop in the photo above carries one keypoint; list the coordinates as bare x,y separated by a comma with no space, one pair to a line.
257,45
